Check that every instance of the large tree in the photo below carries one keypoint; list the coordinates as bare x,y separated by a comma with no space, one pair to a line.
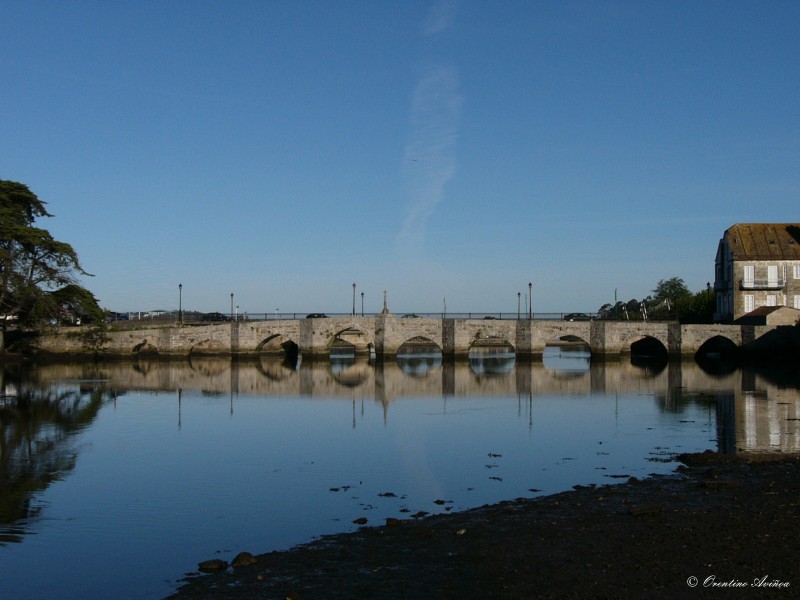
38,274
670,291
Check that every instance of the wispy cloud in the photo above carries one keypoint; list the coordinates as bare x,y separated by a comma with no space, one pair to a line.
440,17
430,160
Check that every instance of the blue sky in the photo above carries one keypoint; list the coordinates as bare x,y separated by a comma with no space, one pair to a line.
456,150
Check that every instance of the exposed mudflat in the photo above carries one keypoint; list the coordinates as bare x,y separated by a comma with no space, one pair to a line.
720,527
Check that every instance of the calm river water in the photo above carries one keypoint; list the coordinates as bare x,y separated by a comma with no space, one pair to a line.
117,479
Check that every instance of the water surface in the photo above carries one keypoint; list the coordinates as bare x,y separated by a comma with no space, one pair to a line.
118,478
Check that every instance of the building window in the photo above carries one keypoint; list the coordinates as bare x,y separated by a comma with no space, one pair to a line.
772,300
749,303
772,276
796,270
797,301
749,274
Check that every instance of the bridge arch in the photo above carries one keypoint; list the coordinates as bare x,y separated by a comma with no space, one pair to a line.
499,342
209,346
278,344
353,338
418,343
645,346
717,345
569,339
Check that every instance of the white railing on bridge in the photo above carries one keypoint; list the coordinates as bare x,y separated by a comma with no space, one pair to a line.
195,318
505,316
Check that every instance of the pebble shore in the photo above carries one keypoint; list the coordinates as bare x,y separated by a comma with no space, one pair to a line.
721,525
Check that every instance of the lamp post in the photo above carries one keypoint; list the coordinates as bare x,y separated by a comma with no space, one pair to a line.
231,305
519,295
354,299
180,304
362,304
530,300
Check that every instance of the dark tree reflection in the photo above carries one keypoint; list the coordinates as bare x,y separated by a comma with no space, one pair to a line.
37,447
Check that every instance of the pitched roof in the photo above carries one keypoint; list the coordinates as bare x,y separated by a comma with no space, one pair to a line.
762,314
762,311
764,241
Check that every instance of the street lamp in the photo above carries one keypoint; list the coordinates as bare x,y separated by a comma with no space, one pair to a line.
530,301
231,305
354,299
519,294
180,302
362,304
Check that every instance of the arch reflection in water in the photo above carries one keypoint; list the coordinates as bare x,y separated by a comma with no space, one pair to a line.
496,359
351,371
571,357
418,356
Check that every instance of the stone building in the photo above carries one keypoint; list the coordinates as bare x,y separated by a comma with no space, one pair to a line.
757,264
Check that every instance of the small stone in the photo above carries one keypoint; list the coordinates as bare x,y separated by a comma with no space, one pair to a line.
648,509
214,565
243,559
360,521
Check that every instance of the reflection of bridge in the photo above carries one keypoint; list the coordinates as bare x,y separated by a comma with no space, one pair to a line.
383,381
386,334
753,412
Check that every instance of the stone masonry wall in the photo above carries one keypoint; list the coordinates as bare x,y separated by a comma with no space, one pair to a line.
387,333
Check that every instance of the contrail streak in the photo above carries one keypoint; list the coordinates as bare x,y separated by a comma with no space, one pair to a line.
430,153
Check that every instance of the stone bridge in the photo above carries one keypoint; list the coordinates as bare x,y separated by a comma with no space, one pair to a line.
387,335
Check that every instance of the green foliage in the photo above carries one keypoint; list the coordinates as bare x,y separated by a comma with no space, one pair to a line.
77,302
670,291
672,300
700,308
37,272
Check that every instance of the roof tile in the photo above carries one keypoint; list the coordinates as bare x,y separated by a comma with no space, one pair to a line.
764,241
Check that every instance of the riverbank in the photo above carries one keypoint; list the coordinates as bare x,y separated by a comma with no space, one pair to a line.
724,523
